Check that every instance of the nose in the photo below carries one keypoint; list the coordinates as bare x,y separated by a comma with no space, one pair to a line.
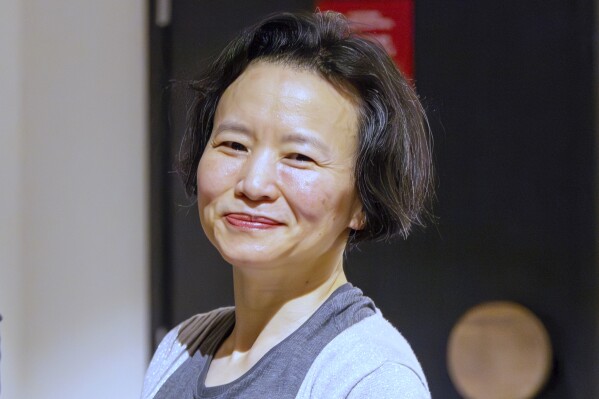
258,180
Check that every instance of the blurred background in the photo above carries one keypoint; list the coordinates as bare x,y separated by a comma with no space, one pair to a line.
101,252
73,198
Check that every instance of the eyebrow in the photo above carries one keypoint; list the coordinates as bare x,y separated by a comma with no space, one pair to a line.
234,126
291,137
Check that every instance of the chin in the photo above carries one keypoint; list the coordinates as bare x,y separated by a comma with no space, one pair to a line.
253,258
248,250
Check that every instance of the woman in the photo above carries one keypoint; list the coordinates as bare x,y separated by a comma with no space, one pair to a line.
303,139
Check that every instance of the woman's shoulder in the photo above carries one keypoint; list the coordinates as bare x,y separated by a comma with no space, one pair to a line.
370,356
193,332
180,343
190,333
378,339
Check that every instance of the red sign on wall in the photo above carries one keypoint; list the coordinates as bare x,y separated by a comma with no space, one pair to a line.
390,22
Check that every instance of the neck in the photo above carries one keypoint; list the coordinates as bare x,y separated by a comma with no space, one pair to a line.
271,304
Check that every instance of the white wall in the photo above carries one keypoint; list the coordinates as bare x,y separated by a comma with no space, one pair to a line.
73,272
10,215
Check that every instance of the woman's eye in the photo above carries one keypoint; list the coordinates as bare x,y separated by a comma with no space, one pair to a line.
234,146
300,158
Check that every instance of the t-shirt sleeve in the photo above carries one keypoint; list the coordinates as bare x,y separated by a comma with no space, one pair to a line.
390,381
169,355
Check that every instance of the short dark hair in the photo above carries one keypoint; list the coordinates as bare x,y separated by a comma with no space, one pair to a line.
393,165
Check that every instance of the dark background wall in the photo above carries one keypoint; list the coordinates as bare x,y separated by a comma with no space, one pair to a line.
509,90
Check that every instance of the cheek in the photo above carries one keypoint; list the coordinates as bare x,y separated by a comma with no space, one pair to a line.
314,195
215,175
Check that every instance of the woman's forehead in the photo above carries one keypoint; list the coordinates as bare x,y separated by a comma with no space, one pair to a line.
288,92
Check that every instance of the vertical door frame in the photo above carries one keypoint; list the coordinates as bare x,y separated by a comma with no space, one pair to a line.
159,160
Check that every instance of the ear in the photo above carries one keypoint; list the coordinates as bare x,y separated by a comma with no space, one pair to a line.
358,220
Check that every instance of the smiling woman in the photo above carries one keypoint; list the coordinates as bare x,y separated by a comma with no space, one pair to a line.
275,182
303,138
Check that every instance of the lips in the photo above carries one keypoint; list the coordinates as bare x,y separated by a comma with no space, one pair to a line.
246,221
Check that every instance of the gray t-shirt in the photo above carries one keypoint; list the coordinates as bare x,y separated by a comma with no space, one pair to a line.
280,373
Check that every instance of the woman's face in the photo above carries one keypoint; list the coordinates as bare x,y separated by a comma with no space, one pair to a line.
275,182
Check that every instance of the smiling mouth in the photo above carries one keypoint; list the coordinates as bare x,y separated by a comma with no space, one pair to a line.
245,221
